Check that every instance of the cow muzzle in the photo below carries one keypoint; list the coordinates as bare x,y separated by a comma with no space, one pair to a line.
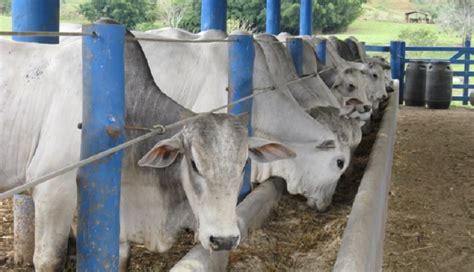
223,243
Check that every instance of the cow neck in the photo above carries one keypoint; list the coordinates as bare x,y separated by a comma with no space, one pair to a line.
146,106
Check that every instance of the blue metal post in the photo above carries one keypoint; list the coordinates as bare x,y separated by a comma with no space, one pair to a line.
103,127
273,17
321,52
241,60
295,48
306,17
395,63
402,57
467,67
35,15
214,15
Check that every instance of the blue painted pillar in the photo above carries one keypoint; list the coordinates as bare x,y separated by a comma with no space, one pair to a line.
467,67
103,128
35,15
396,64
273,17
321,52
306,17
241,60
214,15
295,48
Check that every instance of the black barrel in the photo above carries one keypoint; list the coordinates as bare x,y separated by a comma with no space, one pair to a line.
414,93
439,85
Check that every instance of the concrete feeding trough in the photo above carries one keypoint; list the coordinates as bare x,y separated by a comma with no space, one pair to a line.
362,242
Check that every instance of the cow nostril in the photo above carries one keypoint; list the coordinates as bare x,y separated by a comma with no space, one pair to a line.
223,243
340,164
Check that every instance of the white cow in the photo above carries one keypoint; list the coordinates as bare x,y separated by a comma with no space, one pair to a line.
190,180
372,74
346,85
321,159
322,103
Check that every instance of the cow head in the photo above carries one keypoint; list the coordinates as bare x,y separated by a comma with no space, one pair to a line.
377,82
350,85
331,160
211,152
313,173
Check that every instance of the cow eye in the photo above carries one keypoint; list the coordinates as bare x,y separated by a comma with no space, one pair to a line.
340,164
375,76
193,164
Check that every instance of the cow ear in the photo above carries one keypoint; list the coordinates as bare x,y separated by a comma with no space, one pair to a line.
263,150
163,154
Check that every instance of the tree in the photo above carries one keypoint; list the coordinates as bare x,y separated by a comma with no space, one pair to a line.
125,12
5,7
329,15
172,12
457,16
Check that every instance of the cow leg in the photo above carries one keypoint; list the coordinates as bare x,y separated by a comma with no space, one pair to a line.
55,202
124,256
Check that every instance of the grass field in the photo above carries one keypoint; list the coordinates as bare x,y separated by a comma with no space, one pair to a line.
382,32
5,23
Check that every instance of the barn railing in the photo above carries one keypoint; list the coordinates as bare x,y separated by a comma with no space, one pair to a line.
398,58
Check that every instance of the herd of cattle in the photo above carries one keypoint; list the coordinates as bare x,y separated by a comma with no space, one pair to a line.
304,132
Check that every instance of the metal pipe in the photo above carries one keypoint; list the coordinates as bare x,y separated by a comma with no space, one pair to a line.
295,48
402,55
467,67
102,128
273,17
306,17
214,15
241,60
35,15
395,62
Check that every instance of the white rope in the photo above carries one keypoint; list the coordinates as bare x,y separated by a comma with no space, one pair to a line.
178,41
44,33
157,129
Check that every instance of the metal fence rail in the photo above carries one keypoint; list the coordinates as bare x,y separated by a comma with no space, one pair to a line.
398,59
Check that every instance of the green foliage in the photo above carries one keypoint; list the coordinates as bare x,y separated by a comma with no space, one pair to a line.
418,37
126,12
329,15
192,16
334,16
248,12
5,7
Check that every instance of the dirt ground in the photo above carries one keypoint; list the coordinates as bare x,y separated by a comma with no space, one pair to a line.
431,210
